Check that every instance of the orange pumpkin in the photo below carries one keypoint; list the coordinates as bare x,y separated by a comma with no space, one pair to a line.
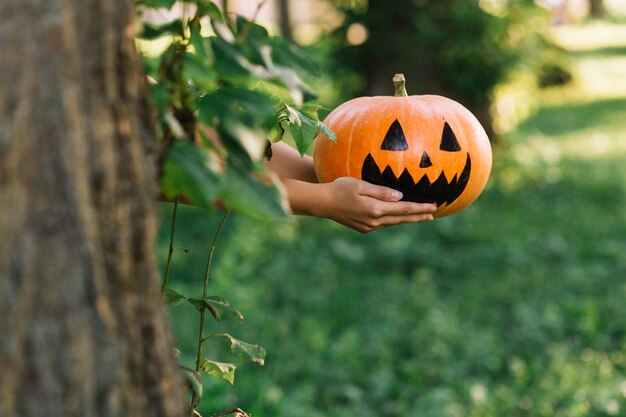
429,147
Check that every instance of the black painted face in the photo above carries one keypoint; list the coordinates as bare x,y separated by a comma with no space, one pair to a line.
439,191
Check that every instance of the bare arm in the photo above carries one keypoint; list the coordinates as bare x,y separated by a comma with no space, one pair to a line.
354,203
287,163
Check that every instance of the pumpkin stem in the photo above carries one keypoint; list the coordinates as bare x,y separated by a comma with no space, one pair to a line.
399,86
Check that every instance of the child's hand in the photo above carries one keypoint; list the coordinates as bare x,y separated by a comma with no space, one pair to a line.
366,207
357,204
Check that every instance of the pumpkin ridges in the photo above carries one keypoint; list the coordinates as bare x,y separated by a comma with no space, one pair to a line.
337,118
349,160
482,158
360,120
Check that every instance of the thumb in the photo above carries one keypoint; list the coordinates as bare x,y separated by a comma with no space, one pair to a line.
380,193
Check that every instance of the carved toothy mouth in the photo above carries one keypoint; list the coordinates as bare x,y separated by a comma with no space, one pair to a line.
438,192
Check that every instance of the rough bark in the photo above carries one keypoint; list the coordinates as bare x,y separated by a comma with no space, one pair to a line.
83,331
597,9
398,50
284,18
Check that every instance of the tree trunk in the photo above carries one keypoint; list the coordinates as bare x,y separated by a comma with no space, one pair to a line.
83,330
284,18
597,9
400,50
387,49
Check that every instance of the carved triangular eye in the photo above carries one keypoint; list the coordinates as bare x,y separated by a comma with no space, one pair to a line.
448,140
394,138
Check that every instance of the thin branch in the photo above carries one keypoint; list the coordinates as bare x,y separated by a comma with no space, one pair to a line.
168,265
207,275
245,32
205,291
207,337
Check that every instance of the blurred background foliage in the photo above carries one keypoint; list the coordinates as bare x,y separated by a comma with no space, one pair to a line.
457,48
513,307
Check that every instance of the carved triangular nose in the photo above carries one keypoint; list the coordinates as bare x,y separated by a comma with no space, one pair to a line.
425,162
394,139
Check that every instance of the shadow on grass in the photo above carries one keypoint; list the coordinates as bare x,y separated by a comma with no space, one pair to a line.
568,118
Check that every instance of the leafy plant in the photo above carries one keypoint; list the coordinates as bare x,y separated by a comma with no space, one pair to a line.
223,90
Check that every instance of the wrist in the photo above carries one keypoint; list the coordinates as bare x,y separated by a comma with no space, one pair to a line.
319,199
307,198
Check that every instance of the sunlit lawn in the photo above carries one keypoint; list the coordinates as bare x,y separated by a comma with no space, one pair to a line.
514,307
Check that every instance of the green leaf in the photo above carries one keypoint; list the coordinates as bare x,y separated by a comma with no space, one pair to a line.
172,298
186,172
221,309
233,66
173,28
237,134
304,129
276,92
252,40
219,369
158,4
310,110
290,80
151,64
196,69
252,197
289,55
244,118
276,133
255,103
327,132
160,96
252,30
229,101
210,107
286,77
229,63
245,351
208,8
223,31
199,43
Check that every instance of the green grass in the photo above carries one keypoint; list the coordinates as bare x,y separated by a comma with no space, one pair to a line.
514,307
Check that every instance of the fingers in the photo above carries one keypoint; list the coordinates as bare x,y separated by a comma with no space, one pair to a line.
379,192
371,224
387,222
383,214
395,220
387,194
367,207
401,208
414,218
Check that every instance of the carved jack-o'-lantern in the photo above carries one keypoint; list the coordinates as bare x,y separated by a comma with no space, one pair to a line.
430,148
